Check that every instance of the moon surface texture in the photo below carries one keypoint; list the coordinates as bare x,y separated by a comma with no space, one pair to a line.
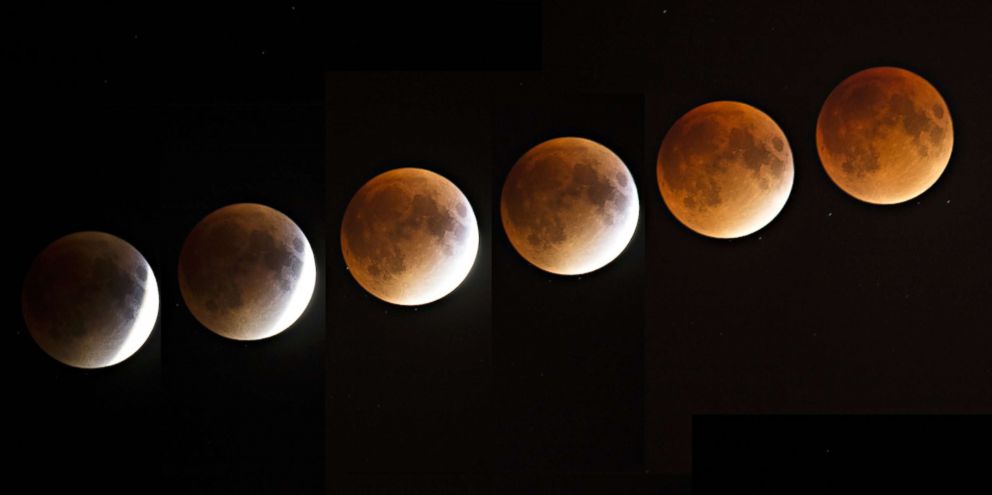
409,236
569,206
725,169
884,135
246,272
90,300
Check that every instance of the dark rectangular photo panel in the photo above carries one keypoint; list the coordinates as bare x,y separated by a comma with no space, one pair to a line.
243,415
831,453
567,349
836,305
409,371
67,426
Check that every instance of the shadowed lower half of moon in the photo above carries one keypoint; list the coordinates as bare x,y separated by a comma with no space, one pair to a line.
884,135
569,206
247,272
90,300
725,169
409,236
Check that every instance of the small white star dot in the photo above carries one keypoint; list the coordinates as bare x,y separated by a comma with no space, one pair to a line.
830,214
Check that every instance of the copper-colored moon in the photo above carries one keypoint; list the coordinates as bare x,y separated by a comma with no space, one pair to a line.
569,206
409,236
246,272
90,300
725,169
884,135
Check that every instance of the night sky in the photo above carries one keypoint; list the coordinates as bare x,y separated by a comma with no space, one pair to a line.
518,381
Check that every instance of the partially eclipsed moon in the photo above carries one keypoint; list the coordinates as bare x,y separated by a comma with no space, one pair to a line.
725,169
246,272
409,236
90,300
569,206
884,135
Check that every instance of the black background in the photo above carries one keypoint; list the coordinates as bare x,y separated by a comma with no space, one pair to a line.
836,306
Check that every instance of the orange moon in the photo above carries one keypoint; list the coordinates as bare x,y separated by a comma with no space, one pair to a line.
409,236
725,169
90,300
884,135
569,206
246,272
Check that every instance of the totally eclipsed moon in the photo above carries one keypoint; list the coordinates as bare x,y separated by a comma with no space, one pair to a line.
569,206
409,236
725,169
246,272
90,300
884,135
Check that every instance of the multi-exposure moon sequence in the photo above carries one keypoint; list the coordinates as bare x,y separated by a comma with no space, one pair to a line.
247,272
884,135
569,206
90,300
409,236
725,169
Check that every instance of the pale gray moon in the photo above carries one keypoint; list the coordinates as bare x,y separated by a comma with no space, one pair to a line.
90,300
246,272
569,206
409,236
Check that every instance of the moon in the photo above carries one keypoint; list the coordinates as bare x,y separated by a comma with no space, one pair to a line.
246,272
725,169
569,206
884,135
90,300
409,236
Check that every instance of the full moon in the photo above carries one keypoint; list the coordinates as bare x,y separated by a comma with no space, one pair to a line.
246,272
409,236
90,300
725,169
569,206
884,135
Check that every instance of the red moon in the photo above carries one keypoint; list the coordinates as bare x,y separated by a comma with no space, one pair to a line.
884,135
725,169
